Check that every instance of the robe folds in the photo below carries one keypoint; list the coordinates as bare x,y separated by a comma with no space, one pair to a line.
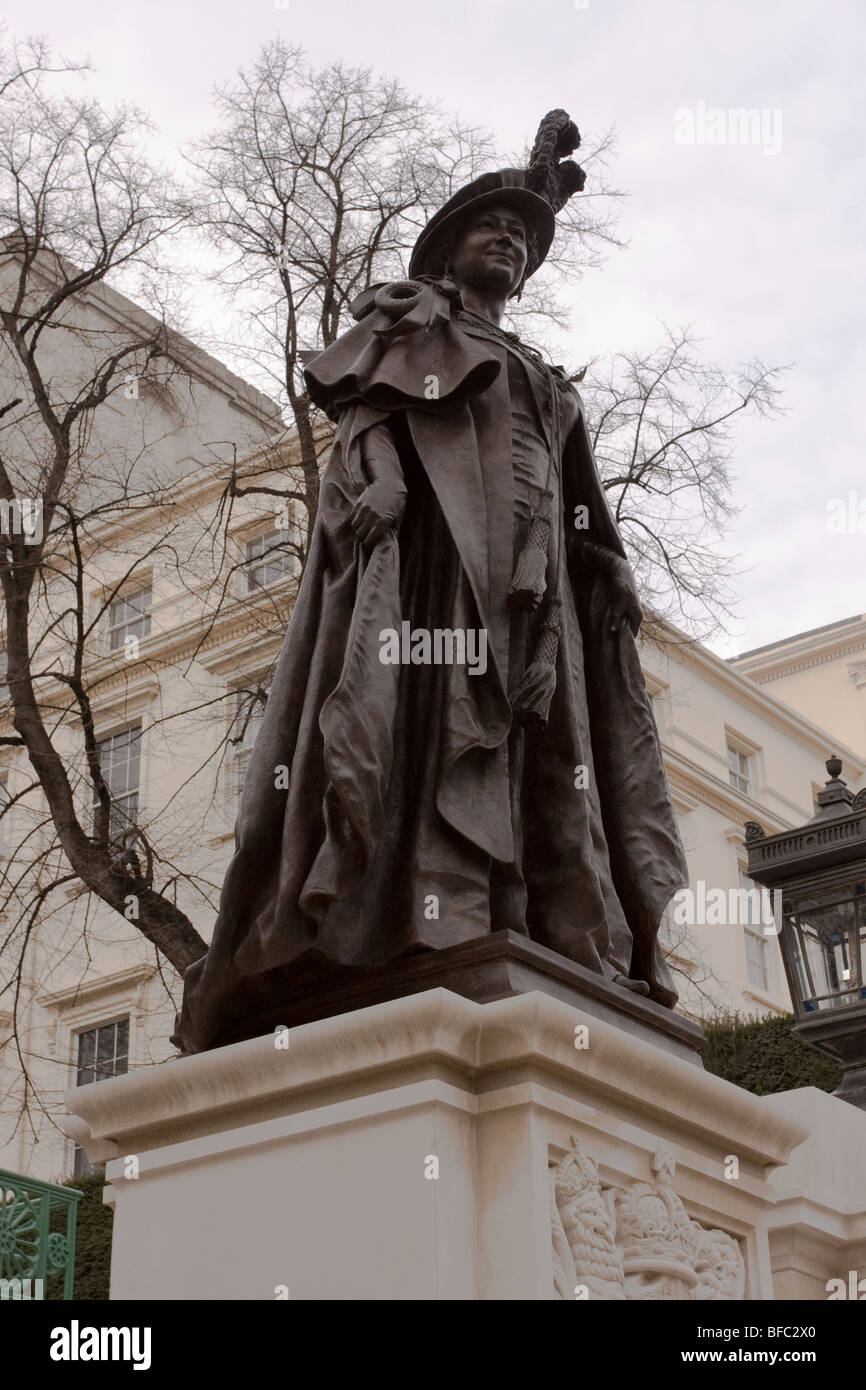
414,812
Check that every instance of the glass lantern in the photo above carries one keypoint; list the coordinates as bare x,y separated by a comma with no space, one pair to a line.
820,870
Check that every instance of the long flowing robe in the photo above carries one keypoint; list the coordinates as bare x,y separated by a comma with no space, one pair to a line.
391,808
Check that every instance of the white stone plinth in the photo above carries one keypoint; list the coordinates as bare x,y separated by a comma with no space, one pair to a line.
405,1152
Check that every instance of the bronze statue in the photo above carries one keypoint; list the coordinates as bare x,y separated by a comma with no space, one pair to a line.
458,739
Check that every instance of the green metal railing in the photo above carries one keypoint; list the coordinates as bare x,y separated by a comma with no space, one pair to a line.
37,1235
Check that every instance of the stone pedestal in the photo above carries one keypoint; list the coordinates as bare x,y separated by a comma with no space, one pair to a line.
500,965
818,1222
433,1147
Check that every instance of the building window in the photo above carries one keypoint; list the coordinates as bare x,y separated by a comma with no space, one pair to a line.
757,959
129,616
248,720
757,944
120,762
270,558
739,769
101,1053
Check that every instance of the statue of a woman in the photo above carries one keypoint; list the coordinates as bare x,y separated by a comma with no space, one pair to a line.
458,738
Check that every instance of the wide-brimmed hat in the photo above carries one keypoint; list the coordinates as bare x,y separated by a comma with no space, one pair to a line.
505,187
536,193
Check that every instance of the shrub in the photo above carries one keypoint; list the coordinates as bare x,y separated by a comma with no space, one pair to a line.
765,1055
92,1239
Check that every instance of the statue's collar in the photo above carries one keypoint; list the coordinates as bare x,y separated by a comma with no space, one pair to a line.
462,312
479,327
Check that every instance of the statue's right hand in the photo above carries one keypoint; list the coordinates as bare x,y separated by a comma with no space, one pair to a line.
378,509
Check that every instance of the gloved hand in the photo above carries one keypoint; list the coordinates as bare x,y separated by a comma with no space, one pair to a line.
378,509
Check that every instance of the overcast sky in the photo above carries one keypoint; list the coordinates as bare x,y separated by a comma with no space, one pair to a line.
758,245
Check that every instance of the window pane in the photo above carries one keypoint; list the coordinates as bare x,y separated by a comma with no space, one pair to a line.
105,1051
757,964
129,617
120,761
102,1052
752,906
86,1048
270,558
738,768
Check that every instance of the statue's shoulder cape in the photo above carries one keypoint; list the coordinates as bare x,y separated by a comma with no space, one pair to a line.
405,352
413,350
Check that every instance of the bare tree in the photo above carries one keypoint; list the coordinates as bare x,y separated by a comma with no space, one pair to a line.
586,233
316,183
312,183
78,201
661,424
701,990
161,878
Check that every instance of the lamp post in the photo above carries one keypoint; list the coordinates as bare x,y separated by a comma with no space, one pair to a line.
820,869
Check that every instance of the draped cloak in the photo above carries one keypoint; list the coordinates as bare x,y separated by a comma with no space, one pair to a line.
375,789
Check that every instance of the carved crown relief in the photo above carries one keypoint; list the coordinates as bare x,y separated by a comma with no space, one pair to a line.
635,1242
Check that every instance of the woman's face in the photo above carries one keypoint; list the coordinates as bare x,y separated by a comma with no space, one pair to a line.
490,251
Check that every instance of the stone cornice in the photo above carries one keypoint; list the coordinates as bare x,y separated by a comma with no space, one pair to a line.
694,780
857,673
788,657
218,652
115,306
746,692
804,1216
481,1046
86,992
124,700
202,486
655,685
766,673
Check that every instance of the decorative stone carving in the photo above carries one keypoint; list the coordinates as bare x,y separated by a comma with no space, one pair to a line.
754,831
857,673
720,1268
657,1241
664,1163
636,1242
587,1224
